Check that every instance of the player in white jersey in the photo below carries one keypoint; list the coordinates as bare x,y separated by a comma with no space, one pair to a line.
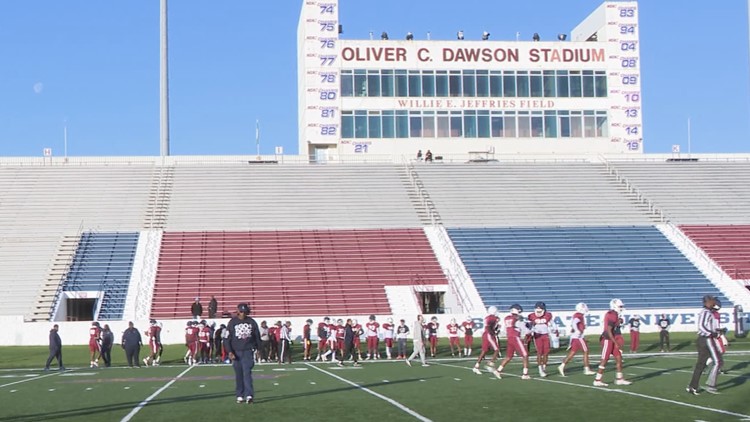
577,340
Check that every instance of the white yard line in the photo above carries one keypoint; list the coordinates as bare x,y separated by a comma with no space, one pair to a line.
629,393
685,371
140,406
378,395
31,379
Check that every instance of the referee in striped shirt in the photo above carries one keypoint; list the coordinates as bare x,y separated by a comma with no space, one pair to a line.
708,330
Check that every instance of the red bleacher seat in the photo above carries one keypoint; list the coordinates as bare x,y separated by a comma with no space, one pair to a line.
727,245
294,273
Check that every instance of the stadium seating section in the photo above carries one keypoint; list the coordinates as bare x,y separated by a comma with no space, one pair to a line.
104,262
728,246
295,273
564,265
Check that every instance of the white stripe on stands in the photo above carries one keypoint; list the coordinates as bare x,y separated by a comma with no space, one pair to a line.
630,393
140,406
380,396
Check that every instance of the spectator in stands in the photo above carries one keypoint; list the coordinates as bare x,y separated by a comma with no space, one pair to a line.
108,339
55,348
663,333
131,342
419,155
197,309
213,306
428,156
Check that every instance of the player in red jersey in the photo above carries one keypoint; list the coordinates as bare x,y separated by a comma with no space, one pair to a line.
95,344
468,328
306,340
154,343
515,329
371,333
388,337
323,339
358,331
610,345
432,332
453,342
542,325
577,340
204,341
191,342
489,339
340,334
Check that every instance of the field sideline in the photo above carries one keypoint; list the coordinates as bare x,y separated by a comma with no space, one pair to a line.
379,390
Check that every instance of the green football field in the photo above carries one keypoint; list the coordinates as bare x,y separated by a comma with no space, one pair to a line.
382,390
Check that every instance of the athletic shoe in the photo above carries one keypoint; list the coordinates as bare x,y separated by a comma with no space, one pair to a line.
600,383
497,375
692,391
425,364
622,381
46,369
542,373
526,377
240,400
561,370
587,371
341,364
356,364
407,362
62,368
249,400
711,390
145,361
477,371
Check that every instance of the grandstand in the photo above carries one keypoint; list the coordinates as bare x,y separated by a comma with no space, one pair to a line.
727,245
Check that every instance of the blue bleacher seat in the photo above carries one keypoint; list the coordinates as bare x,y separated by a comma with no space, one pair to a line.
566,265
103,262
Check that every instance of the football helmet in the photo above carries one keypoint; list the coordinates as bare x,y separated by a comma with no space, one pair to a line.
453,320
468,317
582,308
516,309
616,305
203,322
326,319
354,322
540,308
390,320
433,319
309,321
372,317
152,321
95,323
340,321
492,310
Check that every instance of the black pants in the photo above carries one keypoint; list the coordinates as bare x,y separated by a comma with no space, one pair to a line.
706,349
131,353
107,355
265,345
664,339
54,354
349,351
285,353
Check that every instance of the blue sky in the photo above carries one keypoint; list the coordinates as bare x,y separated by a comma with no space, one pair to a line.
96,65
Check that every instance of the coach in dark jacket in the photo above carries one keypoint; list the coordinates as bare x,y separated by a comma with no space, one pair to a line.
241,341
131,342
55,348
349,344
108,339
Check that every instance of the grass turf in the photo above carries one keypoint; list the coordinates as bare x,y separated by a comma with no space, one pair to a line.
447,390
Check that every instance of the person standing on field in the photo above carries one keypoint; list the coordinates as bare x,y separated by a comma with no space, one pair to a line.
242,339
131,342
419,339
708,330
55,348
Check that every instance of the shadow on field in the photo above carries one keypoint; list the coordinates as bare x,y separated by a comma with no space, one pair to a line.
107,408
654,373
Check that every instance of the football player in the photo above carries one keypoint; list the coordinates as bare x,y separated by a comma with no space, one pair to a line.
577,340
453,337
306,342
95,343
358,331
204,341
191,342
635,333
542,325
468,328
340,334
489,339
432,332
515,329
388,337
610,345
323,339
154,343
371,329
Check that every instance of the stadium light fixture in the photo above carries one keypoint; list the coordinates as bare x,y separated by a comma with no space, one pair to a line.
384,36
485,36
409,36
460,35
536,37
562,37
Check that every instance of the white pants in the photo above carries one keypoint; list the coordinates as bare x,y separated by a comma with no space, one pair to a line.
418,350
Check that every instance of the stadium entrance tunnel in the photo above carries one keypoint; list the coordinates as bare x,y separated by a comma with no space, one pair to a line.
432,302
80,309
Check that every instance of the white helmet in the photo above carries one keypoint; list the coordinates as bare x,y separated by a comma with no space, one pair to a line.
468,317
453,320
582,308
354,322
492,310
390,320
616,305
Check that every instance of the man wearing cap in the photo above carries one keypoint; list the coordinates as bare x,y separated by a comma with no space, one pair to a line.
242,339
708,330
